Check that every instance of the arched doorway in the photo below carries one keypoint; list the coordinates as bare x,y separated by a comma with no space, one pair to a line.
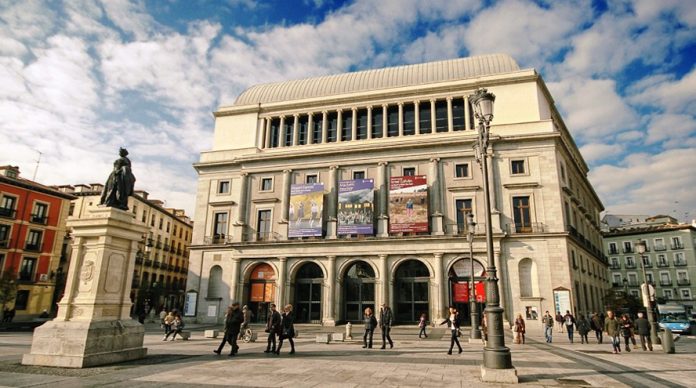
308,287
460,284
359,290
261,291
411,291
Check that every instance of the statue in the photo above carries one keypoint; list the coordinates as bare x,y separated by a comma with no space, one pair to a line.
120,184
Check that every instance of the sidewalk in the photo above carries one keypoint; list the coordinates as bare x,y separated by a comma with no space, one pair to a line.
412,362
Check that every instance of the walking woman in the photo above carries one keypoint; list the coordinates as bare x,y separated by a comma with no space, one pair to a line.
167,323
583,328
288,329
519,329
627,331
422,323
612,326
370,324
272,328
453,324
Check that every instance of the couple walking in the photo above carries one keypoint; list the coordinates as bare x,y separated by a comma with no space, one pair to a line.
386,318
281,325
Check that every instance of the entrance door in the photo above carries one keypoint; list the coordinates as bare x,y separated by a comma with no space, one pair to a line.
359,290
411,291
308,293
460,289
261,291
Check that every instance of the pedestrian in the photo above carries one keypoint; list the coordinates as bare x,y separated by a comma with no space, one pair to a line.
386,318
598,327
288,329
642,326
519,329
233,322
162,315
484,328
547,322
370,324
613,328
627,331
569,323
272,328
559,321
247,314
584,327
453,323
167,324
176,328
422,323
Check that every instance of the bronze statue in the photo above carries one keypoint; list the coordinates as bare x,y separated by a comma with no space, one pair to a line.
120,184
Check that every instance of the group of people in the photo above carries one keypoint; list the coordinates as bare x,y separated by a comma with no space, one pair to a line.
236,322
386,319
282,326
172,323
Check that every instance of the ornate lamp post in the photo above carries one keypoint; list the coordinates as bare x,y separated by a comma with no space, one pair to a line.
495,354
648,293
475,332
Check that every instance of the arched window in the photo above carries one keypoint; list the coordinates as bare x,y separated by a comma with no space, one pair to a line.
215,282
529,284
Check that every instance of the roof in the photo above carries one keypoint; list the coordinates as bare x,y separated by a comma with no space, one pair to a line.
35,186
643,229
391,77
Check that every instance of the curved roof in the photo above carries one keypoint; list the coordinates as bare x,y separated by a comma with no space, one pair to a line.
390,77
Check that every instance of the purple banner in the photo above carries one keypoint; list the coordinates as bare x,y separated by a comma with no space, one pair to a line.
356,206
306,206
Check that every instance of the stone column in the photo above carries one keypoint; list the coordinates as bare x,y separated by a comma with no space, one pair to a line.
450,121
281,132
438,312
432,117
369,122
331,221
330,295
354,125
234,279
285,203
416,116
282,261
93,325
310,128
239,227
324,126
385,109
296,130
401,119
467,112
339,126
384,282
267,140
435,200
383,188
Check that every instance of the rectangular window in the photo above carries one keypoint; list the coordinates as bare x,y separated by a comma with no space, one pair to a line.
266,184
7,206
288,127
458,114
522,214
424,119
22,300
630,263
409,119
650,277
39,214
347,130
311,178
168,226
632,279
303,130
362,124
679,259
152,221
662,261
316,128
614,263
393,121
461,170
377,121
263,225
613,249
441,116
275,132
686,294
563,176
332,127
220,226
676,243
34,240
26,271
161,223
628,247
224,187
409,171
4,237
463,207
667,294
517,167
358,174
660,244
617,280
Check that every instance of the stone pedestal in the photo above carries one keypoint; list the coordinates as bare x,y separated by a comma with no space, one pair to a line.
93,325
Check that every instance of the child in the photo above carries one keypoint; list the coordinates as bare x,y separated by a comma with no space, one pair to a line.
422,323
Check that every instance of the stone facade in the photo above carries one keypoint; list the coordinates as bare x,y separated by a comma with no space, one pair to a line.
410,120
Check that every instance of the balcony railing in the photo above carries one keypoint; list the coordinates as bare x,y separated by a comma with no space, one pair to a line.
633,283
615,266
148,263
647,265
660,248
138,259
217,239
680,263
155,264
178,251
534,227
683,282
677,246
5,243
7,213
33,247
38,219
662,264
158,245
628,250
613,251
665,282
150,242
630,265
166,247
615,284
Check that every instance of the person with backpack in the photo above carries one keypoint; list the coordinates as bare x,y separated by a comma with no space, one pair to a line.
453,324
569,323
598,327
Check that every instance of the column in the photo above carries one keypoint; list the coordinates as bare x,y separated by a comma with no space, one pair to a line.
354,125
268,132
467,122
438,311
324,125
450,122
369,122
383,186
236,261
384,281
330,296
296,130
416,117
385,108
331,221
239,227
432,116
281,132
435,200
282,261
401,119
339,127
310,128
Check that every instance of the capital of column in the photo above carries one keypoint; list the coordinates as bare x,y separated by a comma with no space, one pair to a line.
287,171
400,103
434,159
236,260
437,255
324,112
354,109
282,259
382,256
331,257
449,98
382,163
432,101
332,168
385,106
244,174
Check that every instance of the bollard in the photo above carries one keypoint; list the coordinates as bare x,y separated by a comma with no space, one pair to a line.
667,342
349,331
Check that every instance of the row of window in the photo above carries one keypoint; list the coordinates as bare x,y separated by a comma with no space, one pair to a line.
33,241
8,209
27,268
393,120
592,268
665,278
661,261
658,245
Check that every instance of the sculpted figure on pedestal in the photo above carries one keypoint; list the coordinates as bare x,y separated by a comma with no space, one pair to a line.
120,184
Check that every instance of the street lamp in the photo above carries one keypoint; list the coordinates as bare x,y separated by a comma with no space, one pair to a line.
648,293
475,332
495,354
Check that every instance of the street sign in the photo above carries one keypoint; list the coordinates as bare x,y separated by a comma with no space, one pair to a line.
648,292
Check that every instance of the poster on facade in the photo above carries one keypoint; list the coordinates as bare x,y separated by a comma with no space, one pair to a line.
190,304
356,206
561,299
408,204
305,210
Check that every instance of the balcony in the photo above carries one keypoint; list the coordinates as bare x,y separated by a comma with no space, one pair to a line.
662,264
680,263
678,245
179,251
628,250
155,264
135,283
683,282
633,283
158,245
630,265
5,243
38,219
217,239
616,285
7,213
138,259
613,251
177,269
647,264
170,267
664,282
660,248
165,246
148,263
150,242
615,266
534,227
33,247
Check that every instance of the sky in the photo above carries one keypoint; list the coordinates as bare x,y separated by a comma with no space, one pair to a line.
81,78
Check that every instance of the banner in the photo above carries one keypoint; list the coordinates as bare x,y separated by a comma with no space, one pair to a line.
190,304
356,206
408,204
561,300
462,292
306,206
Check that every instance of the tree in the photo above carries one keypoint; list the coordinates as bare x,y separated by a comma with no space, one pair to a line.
621,302
8,289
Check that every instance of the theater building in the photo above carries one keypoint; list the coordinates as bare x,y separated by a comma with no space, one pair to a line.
347,191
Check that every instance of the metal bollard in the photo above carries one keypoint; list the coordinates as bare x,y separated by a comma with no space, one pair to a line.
667,342
349,331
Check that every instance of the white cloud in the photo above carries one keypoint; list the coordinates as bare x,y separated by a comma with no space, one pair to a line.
131,17
29,21
595,152
672,129
671,95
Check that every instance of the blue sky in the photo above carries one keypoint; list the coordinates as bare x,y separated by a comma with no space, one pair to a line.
80,78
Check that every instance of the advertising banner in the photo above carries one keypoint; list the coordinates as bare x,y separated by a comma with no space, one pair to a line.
408,204
561,300
462,292
190,304
356,206
306,206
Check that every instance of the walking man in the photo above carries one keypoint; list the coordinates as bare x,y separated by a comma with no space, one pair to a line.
385,320
613,328
569,322
233,321
272,328
597,326
643,329
548,322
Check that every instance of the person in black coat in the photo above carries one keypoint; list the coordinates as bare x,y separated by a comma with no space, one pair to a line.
370,324
272,328
453,324
642,326
385,321
288,329
233,321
